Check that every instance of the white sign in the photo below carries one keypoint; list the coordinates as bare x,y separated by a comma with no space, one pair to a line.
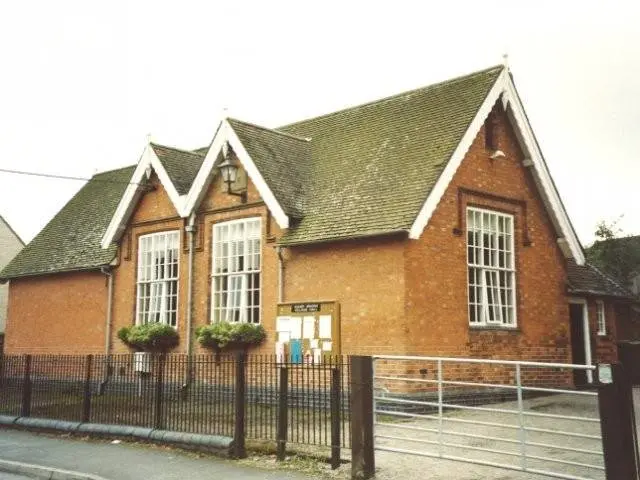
605,375
308,327
325,326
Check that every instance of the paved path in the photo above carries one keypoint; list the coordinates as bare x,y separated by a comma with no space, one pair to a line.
11,476
122,461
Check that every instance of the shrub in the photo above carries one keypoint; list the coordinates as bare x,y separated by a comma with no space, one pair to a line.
149,337
223,334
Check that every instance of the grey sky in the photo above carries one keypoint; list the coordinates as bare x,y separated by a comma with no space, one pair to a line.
83,83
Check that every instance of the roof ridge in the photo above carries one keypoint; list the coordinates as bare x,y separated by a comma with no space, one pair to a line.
617,239
608,277
279,132
397,95
176,149
110,171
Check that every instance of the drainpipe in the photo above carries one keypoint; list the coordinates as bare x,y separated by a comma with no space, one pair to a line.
191,230
107,327
280,275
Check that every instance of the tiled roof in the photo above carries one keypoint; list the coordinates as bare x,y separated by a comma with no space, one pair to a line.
283,161
374,165
71,240
181,166
367,170
587,279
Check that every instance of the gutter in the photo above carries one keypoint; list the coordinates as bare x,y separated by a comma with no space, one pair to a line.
381,234
94,268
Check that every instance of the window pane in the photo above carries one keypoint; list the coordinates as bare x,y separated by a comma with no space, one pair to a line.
235,287
158,271
490,253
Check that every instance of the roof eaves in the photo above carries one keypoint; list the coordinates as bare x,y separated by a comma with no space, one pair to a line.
40,273
385,233
599,293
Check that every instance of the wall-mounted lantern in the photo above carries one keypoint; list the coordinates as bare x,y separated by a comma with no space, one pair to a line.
229,172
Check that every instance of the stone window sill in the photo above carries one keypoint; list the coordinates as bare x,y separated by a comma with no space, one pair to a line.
493,328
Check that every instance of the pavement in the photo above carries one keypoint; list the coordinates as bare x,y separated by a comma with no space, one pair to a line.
12,476
76,459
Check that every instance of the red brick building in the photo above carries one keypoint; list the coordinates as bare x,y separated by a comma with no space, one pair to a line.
429,220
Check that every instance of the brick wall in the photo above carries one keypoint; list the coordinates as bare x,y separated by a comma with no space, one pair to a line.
63,313
366,277
436,264
604,348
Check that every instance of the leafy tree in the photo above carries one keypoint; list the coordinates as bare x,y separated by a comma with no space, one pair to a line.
615,252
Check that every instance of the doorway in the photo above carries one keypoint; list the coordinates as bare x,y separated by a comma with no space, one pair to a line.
580,341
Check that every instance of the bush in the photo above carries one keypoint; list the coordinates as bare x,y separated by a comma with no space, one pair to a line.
224,334
150,337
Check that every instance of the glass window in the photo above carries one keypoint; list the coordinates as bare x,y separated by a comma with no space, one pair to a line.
491,268
158,271
602,324
235,283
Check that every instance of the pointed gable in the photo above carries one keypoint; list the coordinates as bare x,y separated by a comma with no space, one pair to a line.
283,161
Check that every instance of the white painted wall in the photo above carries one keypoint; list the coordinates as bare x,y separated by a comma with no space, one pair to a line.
10,245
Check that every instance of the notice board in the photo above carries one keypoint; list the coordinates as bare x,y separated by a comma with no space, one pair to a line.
307,332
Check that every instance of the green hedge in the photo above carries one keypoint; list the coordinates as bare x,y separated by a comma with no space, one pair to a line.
225,334
150,337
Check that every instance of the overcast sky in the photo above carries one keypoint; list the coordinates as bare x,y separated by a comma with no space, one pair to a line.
83,83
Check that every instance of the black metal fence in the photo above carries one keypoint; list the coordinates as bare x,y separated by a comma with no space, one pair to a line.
281,402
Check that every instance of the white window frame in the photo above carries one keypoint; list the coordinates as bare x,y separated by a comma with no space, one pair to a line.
158,286
237,307
601,318
481,311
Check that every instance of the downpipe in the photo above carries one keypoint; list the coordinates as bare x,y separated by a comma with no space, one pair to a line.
107,329
191,230
280,274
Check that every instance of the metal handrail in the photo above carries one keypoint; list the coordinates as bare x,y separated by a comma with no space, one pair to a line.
487,361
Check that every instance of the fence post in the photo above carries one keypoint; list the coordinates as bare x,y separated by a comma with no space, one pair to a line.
335,418
362,455
25,411
617,424
283,403
86,401
239,450
158,417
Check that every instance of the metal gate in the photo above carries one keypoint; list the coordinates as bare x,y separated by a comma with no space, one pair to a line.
524,416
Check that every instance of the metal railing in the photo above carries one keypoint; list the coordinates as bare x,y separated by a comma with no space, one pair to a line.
191,394
517,415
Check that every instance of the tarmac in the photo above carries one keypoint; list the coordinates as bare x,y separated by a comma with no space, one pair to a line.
32,455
